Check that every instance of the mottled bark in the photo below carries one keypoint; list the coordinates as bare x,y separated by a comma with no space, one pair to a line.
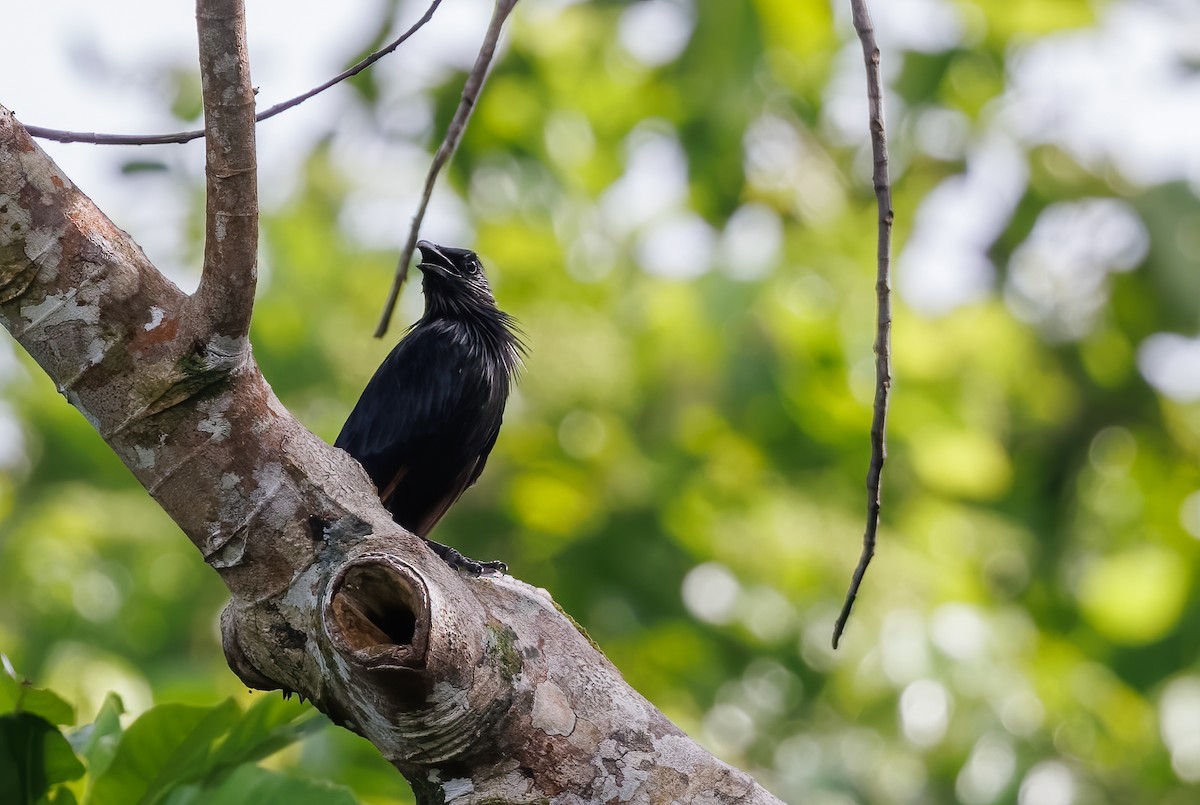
225,298
477,690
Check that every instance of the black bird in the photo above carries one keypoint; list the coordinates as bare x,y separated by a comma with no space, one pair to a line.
428,419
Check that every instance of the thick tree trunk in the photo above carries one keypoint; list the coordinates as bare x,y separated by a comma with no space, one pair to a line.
477,690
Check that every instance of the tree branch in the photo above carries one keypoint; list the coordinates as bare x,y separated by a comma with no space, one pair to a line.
883,321
479,690
94,138
225,298
454,133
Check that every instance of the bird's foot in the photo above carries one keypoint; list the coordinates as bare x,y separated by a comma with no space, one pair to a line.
459,562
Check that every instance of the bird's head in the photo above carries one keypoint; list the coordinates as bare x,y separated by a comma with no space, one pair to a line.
453,278
456,289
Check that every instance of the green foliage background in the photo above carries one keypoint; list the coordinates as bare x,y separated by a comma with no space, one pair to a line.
683,464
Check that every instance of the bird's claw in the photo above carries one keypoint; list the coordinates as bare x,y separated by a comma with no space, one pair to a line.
465,563
476,568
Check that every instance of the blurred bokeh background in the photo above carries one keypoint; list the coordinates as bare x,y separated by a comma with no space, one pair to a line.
673,197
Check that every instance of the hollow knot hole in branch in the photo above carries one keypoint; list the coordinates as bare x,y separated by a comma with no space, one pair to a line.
378,613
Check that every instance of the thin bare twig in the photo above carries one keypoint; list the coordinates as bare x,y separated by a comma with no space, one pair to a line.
225,298
454,133
883,324
187,136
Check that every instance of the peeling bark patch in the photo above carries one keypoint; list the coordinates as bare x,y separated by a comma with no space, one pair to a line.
156,317
57,309
623,773
216,424
287,636
96,350
228,554
458,787
145,457
226,66
228,542
347,530
552,713
44,246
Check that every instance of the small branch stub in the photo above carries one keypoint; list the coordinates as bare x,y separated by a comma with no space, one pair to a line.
225,298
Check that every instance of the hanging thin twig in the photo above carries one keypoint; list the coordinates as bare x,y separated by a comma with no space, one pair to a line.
883,324
187,136
454,133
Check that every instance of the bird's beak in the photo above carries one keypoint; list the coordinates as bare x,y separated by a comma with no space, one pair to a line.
433,259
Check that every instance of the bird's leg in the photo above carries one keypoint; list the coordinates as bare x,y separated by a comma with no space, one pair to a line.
459,562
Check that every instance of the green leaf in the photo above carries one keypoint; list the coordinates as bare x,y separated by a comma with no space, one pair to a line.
98,741
143,166
19,696
33,756
60,761
47,704
60,796
268,726
187,103
193,758
169,745
10,692
184,795
251,785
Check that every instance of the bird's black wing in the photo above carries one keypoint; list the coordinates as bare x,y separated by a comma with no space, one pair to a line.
425,424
